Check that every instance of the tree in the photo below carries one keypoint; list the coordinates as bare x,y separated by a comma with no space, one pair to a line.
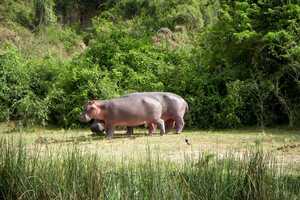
257,41
44,13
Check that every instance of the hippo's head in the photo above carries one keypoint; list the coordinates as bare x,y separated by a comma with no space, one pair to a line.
91,111
97,127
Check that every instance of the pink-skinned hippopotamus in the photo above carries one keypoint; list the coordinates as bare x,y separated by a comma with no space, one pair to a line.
174,108
125,111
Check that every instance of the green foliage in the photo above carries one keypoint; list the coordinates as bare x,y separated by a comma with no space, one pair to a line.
235,62
157,14
20,12
14,81
252,42
78,82
23,92
48,90
133,62
59,36
44,13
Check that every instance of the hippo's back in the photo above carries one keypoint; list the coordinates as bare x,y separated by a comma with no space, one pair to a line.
133,109
172,104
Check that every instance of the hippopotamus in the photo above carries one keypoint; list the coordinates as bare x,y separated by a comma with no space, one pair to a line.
174,108
124,111
96,127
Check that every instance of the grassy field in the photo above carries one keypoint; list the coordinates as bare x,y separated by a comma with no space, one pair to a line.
249,164
285,144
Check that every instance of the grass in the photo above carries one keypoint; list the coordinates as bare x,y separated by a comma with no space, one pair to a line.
74,174
71,164
171,146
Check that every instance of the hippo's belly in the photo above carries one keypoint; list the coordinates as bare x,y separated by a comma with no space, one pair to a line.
166,116
129,122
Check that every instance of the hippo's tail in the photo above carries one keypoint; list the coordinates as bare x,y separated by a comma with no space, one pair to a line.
187,107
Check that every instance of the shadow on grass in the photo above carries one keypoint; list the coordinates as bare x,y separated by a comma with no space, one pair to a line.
88,138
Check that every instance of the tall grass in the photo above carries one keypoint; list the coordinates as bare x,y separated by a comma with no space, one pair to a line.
73,174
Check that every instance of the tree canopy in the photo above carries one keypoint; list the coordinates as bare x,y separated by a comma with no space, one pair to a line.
235,62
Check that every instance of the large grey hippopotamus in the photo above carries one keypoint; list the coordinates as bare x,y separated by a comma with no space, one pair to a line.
124,111
173,110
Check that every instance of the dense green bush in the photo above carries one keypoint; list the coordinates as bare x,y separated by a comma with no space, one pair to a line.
134,63
49,90
255,42
14,82
24,88
235,62
18,11
157,14
78,82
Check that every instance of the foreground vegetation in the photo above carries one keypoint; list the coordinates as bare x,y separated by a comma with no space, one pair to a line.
75,174
39,163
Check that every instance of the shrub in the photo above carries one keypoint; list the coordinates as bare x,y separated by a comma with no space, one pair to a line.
76,83
13,81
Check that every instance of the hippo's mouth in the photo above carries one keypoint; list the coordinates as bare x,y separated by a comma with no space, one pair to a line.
84,118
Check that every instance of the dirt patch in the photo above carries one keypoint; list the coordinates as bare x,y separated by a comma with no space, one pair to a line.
45,140
287,147
8,35
78,139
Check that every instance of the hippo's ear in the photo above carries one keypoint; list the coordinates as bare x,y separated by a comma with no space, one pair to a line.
101,106
91,102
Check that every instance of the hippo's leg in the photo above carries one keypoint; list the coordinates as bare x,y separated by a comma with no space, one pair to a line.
129,131
169,124
151,128
161,125
179,124
109,129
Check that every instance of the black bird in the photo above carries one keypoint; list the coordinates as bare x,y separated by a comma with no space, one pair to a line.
187,141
